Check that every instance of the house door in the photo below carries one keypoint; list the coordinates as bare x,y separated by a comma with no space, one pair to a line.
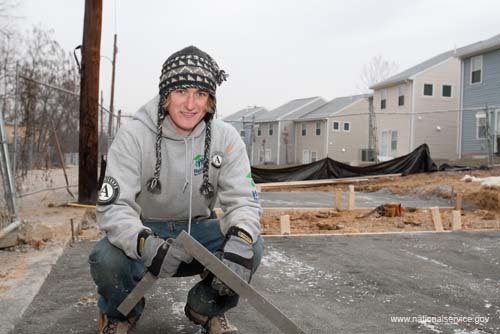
306,156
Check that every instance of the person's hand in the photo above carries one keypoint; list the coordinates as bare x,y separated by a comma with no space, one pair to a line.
238,256
160,255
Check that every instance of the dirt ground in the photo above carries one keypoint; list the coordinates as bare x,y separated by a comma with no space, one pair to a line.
483,204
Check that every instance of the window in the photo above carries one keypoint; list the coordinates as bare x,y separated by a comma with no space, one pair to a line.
336,126
304,129
394,140
242,133
271,129
476,69
401,96
383,98
428,89
347,127
401,100
481,125
314,156
259,131
318,128
447,90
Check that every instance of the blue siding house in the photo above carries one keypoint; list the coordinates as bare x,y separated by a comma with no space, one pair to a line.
480,97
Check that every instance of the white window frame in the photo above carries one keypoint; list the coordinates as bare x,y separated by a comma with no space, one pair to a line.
451,91
401,92
314,156
318,127
423,90
480,60
303,130
343,126
270,130
258,130
333,126
480,116
383,97
392,140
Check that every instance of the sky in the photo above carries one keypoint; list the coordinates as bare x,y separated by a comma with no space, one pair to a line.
274,50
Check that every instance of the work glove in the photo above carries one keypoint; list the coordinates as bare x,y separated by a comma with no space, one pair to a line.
159,255
238,256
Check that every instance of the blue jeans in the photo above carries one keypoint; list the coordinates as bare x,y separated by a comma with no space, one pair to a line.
115,274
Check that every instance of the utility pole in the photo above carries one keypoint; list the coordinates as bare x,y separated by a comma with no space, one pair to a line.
112,98
89,103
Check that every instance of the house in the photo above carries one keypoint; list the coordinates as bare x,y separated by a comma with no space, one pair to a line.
480,97
274,132
243,121
419,105
338,129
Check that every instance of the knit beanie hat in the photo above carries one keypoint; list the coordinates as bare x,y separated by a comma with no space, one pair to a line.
187,68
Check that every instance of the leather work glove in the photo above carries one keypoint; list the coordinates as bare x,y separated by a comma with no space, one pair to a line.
161,255
238,256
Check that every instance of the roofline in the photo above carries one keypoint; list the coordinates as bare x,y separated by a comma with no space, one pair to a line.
296,109
366,96
480,48
414,76
383,85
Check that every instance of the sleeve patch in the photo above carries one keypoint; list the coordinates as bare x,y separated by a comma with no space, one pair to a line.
109,192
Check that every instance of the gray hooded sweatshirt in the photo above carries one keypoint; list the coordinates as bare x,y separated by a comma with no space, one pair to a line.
130,164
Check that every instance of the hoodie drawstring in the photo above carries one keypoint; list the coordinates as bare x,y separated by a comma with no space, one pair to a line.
191,189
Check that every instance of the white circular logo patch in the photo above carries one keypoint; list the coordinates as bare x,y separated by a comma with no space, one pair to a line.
109,191
217,160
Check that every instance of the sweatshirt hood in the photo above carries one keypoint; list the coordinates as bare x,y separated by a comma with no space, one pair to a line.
148,115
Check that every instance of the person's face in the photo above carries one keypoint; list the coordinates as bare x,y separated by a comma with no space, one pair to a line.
187,107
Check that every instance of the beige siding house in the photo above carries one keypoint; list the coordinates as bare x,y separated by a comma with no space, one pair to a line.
417,106
338,130
274,131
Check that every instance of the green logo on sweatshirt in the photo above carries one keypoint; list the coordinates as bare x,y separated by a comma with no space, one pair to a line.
249,176
198,164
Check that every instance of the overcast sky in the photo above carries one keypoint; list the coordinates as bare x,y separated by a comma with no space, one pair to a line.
274,50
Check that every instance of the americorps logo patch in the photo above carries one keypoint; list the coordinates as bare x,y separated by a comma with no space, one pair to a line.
109,191
217,159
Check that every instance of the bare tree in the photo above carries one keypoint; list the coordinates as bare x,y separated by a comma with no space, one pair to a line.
376,70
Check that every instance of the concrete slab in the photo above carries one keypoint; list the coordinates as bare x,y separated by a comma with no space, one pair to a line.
362,200
327,284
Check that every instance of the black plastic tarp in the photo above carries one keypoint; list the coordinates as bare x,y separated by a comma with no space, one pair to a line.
418,161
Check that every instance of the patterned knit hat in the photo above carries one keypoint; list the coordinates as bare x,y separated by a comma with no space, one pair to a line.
187,68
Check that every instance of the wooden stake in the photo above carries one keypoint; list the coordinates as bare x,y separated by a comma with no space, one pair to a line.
350,198
338,199
436,218
72,230
458,201
456,223
285,225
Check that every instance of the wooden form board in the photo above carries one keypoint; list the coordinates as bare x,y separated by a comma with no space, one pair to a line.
312,183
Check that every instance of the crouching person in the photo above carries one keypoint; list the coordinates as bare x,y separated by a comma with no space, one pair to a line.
166,169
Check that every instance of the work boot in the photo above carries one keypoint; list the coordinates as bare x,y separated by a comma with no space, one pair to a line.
214,325
107,325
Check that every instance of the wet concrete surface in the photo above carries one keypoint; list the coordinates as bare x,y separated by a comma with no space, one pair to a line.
326,284
362,199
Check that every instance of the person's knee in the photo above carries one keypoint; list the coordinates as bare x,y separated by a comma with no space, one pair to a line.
107,260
